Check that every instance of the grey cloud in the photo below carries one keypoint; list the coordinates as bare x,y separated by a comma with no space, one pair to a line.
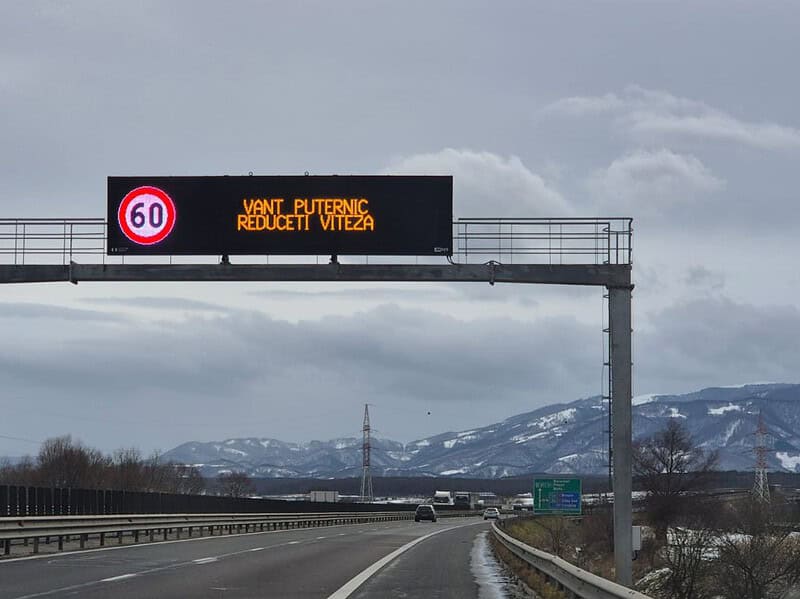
715,341
653,182
654,114
387,294
248,373
703,278
486,184
31,310
158,303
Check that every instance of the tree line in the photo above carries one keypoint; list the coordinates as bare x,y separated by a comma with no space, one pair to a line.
64,462
707,546
697,543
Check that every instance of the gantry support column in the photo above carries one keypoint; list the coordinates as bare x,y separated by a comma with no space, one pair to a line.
619,315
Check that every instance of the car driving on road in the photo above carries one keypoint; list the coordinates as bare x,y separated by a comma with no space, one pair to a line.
425,512
491,512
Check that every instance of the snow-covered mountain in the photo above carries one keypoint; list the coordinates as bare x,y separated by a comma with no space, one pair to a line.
560,439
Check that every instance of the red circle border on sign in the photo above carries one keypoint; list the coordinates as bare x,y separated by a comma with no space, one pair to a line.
130,197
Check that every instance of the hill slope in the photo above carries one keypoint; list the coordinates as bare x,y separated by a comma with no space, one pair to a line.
560,439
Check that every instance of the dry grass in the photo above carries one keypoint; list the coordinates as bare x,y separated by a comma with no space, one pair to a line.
526,573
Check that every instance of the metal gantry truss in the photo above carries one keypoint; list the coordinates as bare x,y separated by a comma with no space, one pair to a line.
552,251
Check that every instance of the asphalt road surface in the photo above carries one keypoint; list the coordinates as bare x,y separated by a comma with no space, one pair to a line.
318,563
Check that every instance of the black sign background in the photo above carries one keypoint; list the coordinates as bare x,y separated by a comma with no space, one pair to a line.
413,215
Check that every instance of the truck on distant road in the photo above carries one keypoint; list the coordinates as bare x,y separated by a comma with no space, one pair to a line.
463,500
442,498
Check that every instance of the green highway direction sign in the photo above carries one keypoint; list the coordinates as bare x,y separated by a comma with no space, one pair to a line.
557,496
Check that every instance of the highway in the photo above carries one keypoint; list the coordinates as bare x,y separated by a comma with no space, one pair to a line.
336,562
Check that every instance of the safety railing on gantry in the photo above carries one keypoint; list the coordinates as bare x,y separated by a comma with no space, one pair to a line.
476,240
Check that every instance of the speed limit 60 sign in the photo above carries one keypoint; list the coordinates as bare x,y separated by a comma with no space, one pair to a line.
146,215
354,214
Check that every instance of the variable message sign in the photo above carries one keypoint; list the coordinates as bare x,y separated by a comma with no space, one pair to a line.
356,215
557,496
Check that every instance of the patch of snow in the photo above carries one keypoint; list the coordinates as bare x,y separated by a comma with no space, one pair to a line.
640,400
788,462
720,411
266,442
488,574
466,434
398,455
449,443
422,443
342,445
234,451
230,441
451,472
569,458
730,431
674,413
554,419
526,438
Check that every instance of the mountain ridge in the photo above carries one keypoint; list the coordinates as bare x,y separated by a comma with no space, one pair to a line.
562,438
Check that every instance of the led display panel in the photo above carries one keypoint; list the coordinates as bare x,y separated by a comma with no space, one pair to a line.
256,215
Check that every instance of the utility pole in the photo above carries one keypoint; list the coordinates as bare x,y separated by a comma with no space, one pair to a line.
761,486
366,476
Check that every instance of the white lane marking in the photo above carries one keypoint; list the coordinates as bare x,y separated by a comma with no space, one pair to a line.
120,577
342,534
257,549
92,583
351,585
320,538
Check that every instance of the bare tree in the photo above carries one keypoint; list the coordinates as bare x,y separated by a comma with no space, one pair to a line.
557,531
23,472
127,470
762,559
62,462
668,464
235,484
189,480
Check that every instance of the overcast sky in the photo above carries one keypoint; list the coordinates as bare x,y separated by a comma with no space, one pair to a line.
683,115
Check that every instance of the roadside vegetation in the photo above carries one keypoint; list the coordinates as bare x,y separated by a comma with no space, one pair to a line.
696,545
66,463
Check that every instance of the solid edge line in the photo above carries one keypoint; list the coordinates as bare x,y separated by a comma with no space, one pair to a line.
351,585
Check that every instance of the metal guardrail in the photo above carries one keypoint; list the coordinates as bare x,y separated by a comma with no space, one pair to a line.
605,240
65,528
61,528
565,575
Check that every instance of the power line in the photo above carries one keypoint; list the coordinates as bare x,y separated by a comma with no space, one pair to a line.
20,439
